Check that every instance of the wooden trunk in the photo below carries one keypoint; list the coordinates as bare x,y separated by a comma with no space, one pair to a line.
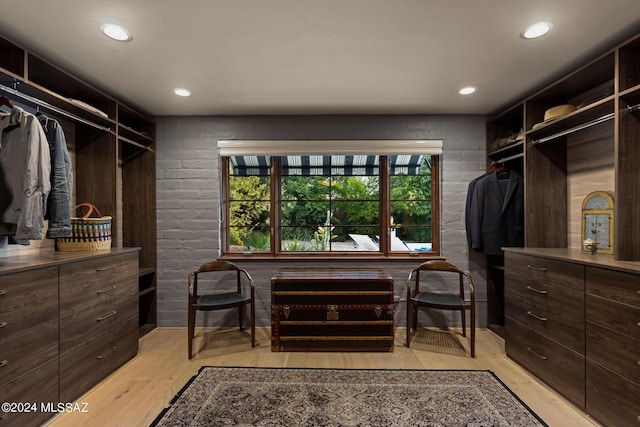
321,309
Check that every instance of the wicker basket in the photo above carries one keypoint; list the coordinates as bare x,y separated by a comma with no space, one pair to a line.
88,234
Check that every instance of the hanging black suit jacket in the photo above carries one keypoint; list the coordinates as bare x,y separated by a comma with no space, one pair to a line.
467,211
497,213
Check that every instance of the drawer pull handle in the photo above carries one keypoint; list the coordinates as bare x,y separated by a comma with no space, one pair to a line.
530,350
533,267
106,316
3,324
111,267
538,291
102,356
535,316
4,291
104,291
332,312
286,310
3,363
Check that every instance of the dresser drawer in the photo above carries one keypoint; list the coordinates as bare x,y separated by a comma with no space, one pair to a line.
530,270
39,385
554,311
614,285
332,327
28,321
94,295
87,364
557,365
97,280
624,319
612,399
613,350
80,326
323,297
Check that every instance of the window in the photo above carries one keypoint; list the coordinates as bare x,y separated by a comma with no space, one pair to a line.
325,200
320,204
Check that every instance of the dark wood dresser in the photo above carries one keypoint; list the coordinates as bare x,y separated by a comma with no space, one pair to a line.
318,309
67,320
573,319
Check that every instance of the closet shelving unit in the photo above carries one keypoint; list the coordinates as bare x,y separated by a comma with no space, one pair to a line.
595,148
507,123
112,151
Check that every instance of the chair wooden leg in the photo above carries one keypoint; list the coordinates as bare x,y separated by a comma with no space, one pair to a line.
253,324
464,322
408,341
190,329
414,317
473,332
240,315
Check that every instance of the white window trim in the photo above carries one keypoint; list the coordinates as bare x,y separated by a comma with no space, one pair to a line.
327,147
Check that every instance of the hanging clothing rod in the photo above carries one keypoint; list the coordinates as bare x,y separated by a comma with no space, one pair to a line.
137,144
48,106
506,159
575,129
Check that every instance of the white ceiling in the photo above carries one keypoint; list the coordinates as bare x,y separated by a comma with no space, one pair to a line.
318,56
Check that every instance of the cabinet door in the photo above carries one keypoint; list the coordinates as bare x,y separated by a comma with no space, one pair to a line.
28,321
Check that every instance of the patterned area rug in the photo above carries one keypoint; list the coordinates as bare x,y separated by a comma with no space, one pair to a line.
345,397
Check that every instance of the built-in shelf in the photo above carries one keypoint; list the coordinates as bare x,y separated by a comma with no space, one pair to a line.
146,271
113,153
145,329
147,291
505,153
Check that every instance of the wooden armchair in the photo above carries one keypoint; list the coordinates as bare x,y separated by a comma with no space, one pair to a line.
221,300
440,300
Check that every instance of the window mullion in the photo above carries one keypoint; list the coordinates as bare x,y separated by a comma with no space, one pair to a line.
276,205
435,204
224,208
385,205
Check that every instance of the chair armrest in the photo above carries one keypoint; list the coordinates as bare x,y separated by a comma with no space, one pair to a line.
248,277
472,288
189,284
409,286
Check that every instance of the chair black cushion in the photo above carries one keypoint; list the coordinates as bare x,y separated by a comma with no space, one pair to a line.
220,301
449,301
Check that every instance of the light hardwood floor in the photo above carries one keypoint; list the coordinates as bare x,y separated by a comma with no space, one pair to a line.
136,393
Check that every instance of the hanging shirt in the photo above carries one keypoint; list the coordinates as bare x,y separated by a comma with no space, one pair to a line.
25,174
58,210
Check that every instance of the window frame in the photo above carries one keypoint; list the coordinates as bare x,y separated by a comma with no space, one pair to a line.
275,251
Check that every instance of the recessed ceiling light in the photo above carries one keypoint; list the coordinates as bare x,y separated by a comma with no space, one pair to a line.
116,32
180,91
536,30
467,90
